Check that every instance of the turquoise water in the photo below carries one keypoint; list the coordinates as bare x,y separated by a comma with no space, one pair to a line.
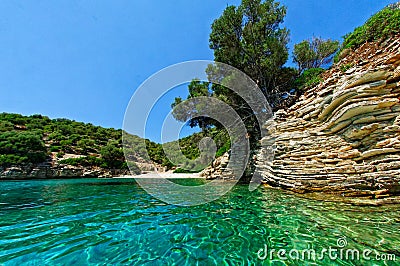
108,222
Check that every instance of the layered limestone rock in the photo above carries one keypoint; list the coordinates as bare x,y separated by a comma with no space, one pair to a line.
342,136
218,169
46,171
53,169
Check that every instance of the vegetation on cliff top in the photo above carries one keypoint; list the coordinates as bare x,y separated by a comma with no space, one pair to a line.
382,25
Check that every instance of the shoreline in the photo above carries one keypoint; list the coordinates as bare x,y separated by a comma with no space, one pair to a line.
165,175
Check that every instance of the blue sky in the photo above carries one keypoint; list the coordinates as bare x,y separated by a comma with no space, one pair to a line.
83,60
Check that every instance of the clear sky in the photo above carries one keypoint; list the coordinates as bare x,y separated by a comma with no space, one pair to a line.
83,60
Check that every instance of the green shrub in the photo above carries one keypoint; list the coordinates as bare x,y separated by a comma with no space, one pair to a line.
86,145
83,161
12,159
167,163
346,67
6,126
17,147
310,77
382,25
221,151
184,171
55,148
112,156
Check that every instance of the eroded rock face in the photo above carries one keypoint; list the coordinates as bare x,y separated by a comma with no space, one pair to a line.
218,169
342,136
55,172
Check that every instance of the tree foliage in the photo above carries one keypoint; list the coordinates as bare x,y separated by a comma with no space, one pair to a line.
184,113
113,155
21,147
250,38
314,53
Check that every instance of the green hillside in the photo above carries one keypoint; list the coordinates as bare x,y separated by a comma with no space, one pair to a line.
36,139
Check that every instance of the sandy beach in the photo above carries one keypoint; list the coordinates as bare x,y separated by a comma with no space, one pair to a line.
168,175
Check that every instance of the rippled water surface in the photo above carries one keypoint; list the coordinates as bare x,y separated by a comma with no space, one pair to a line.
91,222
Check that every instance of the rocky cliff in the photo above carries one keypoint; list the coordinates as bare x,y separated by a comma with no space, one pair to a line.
218,169
45,171
55,170
342,136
